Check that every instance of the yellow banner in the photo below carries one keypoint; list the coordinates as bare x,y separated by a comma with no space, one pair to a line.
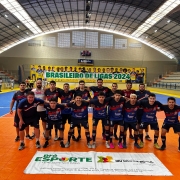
137,75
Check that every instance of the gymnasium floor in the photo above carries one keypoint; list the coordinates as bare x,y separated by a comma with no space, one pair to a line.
13,162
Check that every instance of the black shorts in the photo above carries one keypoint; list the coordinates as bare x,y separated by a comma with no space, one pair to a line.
105,121
139,115
176,127
66,117
33,122
116,122
154,125
58,125
42,116
82,122
16,120
132,125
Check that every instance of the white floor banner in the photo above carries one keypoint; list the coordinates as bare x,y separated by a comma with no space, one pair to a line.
96,163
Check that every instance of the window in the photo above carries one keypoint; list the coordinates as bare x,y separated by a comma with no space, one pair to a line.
106,41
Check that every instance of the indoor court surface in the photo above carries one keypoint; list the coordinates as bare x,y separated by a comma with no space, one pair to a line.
14,162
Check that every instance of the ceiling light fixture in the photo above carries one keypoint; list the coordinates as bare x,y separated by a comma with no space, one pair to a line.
168,6
16,9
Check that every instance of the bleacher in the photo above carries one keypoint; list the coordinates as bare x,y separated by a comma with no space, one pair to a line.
169,81
6,76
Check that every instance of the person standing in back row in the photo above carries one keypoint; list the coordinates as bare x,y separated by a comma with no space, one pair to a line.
51,92
39,93
96,90
126,93
142,95
111,93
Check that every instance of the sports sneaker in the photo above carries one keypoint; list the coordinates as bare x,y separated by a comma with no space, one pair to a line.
156,145
141,144
46,144
67,144
62,144
29,137
137,145
163,147
78,138
17,138
120,145
89,145
73,138
107,145
147,137
111,146
124,146
115,137
22,146
93,145
38,145
131,136
56,138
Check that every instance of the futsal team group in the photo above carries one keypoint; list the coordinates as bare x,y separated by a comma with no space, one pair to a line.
118,110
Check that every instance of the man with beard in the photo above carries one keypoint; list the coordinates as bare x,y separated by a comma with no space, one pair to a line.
39,93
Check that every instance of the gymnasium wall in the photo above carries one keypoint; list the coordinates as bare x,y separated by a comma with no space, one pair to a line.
145,56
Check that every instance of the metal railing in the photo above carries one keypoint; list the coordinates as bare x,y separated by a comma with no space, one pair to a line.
167,85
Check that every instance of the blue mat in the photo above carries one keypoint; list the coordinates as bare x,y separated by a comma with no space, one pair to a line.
163,99
6,98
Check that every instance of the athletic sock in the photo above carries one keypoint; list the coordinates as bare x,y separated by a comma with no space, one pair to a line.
163,138
111,136
69,136
141,137
155,139
121,136
94,135
87,136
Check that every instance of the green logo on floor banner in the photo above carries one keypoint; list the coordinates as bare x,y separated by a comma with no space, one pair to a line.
54,157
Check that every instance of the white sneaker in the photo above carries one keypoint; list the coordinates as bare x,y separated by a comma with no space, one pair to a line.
56,138
107,145
67,144
93,146
38,145
89,145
